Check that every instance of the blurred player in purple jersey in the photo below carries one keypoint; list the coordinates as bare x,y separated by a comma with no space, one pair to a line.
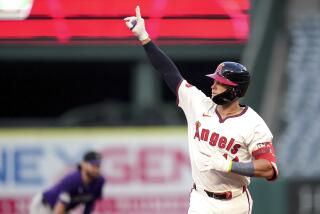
82,186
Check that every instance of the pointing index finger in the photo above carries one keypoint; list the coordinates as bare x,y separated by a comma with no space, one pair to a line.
138,15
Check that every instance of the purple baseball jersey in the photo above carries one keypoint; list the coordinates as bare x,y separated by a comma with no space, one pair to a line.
72,191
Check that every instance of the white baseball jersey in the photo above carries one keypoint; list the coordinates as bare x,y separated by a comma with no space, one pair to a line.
234,137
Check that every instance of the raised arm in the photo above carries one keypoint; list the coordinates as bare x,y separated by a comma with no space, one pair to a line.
160,61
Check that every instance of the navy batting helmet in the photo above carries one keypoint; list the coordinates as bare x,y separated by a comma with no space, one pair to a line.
235,76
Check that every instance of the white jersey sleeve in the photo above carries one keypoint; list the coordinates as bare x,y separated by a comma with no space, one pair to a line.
260,134
191,99
260,144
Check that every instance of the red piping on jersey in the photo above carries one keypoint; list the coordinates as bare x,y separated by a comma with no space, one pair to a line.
249,210
237,115
177,92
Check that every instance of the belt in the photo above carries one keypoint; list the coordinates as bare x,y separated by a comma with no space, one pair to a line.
221,195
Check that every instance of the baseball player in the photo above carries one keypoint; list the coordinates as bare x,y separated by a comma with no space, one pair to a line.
83,186
228,142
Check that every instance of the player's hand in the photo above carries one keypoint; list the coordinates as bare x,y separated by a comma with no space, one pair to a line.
136,25
217,162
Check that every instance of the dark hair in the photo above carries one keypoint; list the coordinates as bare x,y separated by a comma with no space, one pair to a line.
92,156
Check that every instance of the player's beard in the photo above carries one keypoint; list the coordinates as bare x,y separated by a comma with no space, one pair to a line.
91,176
